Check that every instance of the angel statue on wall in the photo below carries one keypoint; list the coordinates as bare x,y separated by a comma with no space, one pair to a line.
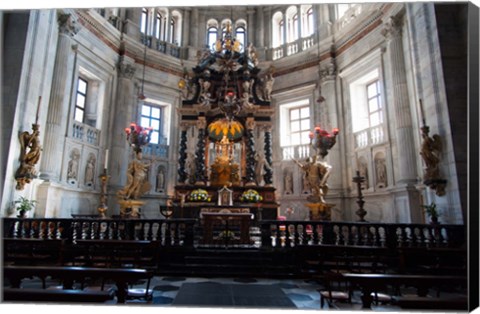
430,151
30,149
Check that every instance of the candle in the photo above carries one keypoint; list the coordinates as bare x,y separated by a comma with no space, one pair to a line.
38,109
106,159
422,114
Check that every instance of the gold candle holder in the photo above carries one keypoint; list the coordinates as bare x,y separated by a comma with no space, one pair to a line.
102,209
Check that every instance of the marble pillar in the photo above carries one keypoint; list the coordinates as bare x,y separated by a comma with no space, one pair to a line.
57,117
407,164
125,101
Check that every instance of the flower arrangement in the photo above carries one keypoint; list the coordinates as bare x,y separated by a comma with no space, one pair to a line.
431,211
199,195
138,136
251,196
322,141
25,205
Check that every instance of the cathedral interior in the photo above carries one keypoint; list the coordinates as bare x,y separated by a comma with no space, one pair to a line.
305,144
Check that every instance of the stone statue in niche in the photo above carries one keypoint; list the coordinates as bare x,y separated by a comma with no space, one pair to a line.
305,184
160,186
381,170
363,169
260,165
288,182
72,170
90,170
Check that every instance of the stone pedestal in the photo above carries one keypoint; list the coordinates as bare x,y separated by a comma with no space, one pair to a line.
130,208
320,211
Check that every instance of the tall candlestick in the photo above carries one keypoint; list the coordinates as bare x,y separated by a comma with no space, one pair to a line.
38,109
422,114
106,159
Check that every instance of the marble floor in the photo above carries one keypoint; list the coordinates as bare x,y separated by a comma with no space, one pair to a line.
303,293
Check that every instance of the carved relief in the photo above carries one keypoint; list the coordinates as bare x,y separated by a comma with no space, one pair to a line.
160,179
380,171
288,182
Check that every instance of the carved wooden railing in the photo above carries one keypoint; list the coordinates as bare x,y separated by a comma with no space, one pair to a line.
274,234
177,232
287,234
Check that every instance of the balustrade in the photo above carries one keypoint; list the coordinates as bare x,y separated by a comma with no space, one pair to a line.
85,133
274,234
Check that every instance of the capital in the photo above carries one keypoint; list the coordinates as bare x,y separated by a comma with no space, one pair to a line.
392,27
67,25
125,70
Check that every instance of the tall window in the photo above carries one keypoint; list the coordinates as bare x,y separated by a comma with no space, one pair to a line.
281,26
295,27
212,33
374,104
144,21
299,125
309,24
240,36
158,25
80,100
151,117
172,30
295,121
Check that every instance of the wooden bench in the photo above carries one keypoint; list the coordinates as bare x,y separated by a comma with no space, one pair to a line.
370,283
113,253
120,276
66,295
32,251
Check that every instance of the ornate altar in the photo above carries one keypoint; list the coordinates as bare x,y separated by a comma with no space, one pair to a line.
226,121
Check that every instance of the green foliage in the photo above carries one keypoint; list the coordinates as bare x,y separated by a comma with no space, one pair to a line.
431,210
25,204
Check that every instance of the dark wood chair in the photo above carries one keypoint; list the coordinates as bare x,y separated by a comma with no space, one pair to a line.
336,289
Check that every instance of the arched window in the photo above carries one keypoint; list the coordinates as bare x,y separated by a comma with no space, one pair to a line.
308,29
212,34
292,24
158,25
277,29
144,21
172,30
240,37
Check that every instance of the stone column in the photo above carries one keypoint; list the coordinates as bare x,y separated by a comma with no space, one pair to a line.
261,29
329,120
132,25
186,28
200,170
125,102
58,111
299,22
407,173
251,27
250,152
194,34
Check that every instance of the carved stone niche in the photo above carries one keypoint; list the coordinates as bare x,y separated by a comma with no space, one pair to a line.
225,197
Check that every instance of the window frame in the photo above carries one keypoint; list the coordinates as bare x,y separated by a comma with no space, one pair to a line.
144,21
156,132
84,94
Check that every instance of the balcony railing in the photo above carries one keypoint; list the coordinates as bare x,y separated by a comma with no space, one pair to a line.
369,137
293,47
85,133
297,152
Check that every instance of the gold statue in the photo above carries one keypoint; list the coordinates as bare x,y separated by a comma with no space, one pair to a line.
30,149
431,151
317,173
224,171
136,179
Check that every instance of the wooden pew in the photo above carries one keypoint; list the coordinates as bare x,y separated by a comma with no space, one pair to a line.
369,283
32,251
68,274
66,295
113,253
427,303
